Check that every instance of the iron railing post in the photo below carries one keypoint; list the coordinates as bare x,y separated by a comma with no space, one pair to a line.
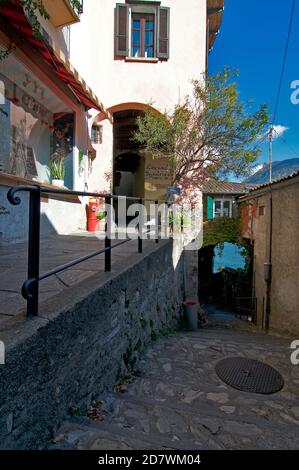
140,227
34,252
108,233
157,220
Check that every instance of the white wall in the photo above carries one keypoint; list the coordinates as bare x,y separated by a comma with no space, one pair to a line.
117,81
101,168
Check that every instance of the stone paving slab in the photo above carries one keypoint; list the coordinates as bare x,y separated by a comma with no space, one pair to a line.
56,250
177,401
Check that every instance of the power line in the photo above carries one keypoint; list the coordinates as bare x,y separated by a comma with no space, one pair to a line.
284,62
279,91
291,148
287,144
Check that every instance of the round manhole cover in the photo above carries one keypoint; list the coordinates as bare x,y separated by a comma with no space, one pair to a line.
249,375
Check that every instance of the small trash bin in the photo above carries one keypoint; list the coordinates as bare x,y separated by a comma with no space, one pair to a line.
191,313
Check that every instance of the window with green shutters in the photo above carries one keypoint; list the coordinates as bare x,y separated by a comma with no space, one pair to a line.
142,30
210,208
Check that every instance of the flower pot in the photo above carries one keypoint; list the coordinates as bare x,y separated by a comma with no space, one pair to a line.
191,313
58,183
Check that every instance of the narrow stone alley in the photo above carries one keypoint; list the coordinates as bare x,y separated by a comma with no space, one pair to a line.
175,400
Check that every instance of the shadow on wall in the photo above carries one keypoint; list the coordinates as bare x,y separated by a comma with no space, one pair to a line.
57,217
14,220
79,352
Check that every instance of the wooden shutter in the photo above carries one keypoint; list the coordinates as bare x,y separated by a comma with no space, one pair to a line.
122,30
163,33
210,207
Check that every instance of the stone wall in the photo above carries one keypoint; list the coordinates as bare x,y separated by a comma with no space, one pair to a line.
64,358
284,291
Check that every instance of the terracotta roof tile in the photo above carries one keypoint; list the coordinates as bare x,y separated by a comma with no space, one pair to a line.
278,180
213,186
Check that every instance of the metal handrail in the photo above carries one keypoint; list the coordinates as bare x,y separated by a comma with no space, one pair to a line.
30,288
249,309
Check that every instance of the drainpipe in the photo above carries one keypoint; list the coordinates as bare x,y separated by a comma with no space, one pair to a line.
268,265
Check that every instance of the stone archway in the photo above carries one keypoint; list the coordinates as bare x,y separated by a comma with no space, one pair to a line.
128,163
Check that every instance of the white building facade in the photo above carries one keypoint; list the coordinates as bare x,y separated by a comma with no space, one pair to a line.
135,54
126,55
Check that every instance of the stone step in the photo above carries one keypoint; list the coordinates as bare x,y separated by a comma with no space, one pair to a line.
219,387
83,434
131,423
128,408
237,337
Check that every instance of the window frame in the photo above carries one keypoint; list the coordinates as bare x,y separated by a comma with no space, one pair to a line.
143,10
142,18
96,128
222,201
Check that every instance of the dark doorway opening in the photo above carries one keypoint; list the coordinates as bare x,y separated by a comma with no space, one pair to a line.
129,163
228,288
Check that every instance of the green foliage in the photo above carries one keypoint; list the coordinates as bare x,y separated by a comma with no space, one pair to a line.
212,132
221,230
178,219
91,156
6,52
76,4
81,158
101,215
32,8
57,169
74,411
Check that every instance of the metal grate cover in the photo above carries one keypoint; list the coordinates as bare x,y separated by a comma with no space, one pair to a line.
249,375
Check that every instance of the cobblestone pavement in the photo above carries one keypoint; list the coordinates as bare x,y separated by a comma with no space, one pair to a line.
176,400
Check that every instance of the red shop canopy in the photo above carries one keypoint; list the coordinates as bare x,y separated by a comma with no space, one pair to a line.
16,21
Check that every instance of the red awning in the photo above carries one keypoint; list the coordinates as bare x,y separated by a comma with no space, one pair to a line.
16,21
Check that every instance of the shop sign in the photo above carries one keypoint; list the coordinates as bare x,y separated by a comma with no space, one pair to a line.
21,98
157,172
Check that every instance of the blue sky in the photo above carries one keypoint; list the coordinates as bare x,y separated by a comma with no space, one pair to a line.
252,39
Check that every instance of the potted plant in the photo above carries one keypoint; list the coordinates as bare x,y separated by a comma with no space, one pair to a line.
101,218
57,170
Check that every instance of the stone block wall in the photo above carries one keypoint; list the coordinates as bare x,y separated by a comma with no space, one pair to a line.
64,358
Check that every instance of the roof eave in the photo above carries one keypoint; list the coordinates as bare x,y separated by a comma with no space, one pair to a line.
214,19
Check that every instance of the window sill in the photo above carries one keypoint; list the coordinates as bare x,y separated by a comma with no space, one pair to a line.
7,179
152,60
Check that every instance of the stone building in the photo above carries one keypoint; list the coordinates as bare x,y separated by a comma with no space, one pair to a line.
270,220
220,198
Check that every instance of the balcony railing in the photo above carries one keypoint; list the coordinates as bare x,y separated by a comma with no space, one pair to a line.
30,289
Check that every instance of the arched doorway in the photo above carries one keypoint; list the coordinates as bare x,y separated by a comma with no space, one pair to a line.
128,162
226,277
129,174
152,176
